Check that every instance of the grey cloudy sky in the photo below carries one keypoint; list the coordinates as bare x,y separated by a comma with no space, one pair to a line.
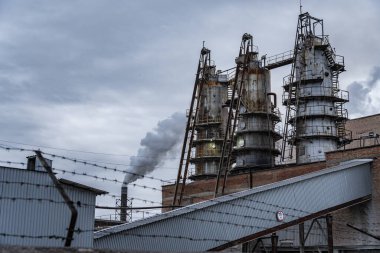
96,75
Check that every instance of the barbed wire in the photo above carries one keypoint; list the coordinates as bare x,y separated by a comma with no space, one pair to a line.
13,163
86,163
80,204
153,188
57,237
107,168
131,198
24,183
79,151
288,229
156,189
21,183
211,200
92,161
115,180
195,219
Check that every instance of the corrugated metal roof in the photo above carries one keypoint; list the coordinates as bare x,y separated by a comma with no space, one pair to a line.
211,224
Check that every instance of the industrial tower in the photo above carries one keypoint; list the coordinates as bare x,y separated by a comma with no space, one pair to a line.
258,115
204,130
315,114
250,129
209,124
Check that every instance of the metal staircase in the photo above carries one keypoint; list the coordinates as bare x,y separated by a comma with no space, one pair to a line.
336,63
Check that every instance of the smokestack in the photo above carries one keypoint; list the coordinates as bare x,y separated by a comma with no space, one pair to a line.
124,203
156,145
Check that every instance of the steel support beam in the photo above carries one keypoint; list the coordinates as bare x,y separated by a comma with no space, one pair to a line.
301,228
66,198
330,240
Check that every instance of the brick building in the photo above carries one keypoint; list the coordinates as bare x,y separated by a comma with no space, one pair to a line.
365,131
354,228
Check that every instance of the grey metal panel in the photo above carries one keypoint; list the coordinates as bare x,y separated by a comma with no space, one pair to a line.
210,224
41,218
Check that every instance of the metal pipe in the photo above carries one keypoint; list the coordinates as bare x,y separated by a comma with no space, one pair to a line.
66,198
330,240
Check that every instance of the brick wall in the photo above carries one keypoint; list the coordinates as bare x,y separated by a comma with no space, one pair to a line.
204,189
360,128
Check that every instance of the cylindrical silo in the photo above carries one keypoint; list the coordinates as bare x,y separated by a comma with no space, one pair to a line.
209,124
258,115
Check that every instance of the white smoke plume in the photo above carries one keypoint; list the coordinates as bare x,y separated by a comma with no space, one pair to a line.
360,94
156,145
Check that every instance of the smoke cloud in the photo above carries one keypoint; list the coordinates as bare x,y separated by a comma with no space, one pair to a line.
156,145
360,97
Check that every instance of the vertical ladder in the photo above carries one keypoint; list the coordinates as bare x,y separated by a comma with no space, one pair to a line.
204,62
225,161
292,94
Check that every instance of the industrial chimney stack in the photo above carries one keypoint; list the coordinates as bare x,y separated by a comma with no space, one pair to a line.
124,203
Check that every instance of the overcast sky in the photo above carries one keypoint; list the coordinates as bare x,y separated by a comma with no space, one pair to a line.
98,75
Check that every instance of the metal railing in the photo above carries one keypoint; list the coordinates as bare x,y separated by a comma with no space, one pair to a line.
285,56
208,119
210,135
305,131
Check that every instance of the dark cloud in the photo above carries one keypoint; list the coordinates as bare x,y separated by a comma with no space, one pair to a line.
361,101
97,75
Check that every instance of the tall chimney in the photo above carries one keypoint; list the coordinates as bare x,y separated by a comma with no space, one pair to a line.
124,203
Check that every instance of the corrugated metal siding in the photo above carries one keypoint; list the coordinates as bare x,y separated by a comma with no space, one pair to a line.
209,224
41,218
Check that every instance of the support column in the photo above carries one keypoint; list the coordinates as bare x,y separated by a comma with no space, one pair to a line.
330,242
274,240
301,228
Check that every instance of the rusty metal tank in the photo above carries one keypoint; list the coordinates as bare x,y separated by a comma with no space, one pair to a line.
209,125
256,134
